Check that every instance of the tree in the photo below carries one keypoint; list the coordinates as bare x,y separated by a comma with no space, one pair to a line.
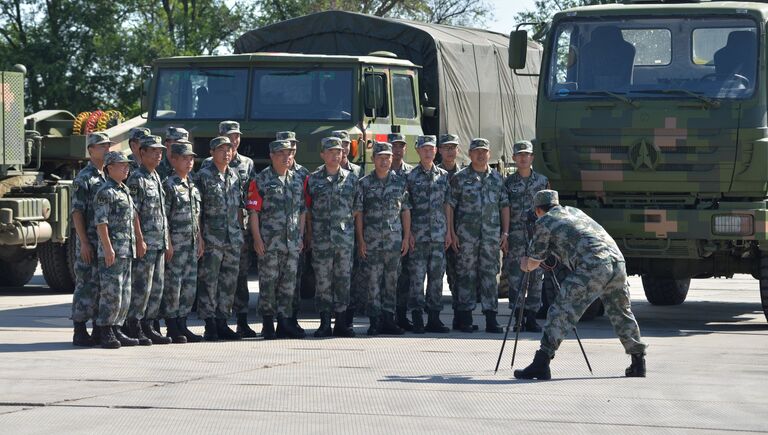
545,9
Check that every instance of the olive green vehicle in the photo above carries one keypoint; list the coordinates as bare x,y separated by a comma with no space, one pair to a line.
652,117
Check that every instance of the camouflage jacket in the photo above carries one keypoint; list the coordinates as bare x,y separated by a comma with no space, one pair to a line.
134,161
164,169
521,191
149,198
574,238
279,206
381,202
330,200
221,203
429,192
85,186
403,170
182,206
451,172
242,165
115,208
353,168
477,200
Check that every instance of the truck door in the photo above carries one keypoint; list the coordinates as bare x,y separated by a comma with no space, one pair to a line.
377,104
405,111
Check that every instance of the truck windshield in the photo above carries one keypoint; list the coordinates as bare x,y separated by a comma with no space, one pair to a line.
686,57
302,94
205,93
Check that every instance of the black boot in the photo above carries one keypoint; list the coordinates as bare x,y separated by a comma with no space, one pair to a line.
295,322
325,326
152,334
81,337
268,328
108,339
539,368
286,329
243,328
96,334
637,368
224,332
418,321
342,328
156,326
530,322
456,321
210,333
402,319
173,331
490,323
388,325
373,330
122,338
134,331
465,321
434,324
191,336
350,314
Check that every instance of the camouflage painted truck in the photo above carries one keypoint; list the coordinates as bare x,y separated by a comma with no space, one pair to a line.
652,117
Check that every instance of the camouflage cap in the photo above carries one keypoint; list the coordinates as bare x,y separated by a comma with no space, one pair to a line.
331,143
545,197
341,134
177,134
182,149
98,137
138,132
523,146
479,143
278,145
427,140
115,157
448,139
395,137
286,135
382,148
229,127
217,142
151,141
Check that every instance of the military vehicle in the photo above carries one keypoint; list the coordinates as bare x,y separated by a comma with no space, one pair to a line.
651,117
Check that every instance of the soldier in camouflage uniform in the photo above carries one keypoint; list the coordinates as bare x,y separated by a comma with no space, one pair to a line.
598,271
330,196
521,186
382,228
480,211
244,167
343,135
116,225
222,229
152,243
85,299
277,219
134,142
172,135
428,191
401,168
182,207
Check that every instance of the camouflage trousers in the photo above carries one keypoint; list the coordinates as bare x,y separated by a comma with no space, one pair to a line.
242,294
85,299
477,265
450,273
358,289
114,292
301,268
277,282
514,275
333,269
381,269
404,282
147,274
217,281
427,261
607,281
180,279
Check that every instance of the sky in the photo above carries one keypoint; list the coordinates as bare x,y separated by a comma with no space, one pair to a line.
504,14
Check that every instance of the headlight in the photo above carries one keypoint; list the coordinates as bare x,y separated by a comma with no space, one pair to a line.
733,225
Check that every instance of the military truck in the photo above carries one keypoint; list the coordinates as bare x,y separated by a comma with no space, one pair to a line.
651,117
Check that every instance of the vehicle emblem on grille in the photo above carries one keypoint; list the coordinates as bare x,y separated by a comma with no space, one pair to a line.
644,156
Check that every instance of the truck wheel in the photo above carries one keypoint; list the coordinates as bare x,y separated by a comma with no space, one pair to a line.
55,258
764,284
665,291
17,273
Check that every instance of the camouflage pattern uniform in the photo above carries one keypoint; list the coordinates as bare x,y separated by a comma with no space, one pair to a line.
450,254
136,134
115,208
172,135
403,272
222,234
85,300
148,271
598,271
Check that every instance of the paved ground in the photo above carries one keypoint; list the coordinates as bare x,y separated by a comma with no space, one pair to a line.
707,366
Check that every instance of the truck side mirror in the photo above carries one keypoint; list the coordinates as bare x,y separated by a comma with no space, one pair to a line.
429,112
146,84
374,93
518,49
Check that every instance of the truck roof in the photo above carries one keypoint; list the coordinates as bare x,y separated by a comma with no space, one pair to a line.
668,6
250,58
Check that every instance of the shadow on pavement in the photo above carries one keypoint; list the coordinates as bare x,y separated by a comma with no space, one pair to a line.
467,380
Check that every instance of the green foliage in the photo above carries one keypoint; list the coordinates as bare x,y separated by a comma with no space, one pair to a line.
545,9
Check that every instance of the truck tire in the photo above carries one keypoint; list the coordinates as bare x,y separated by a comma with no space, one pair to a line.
665,291
56,261
549,291
17,273
764,284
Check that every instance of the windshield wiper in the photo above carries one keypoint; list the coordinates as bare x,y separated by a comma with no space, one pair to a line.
708,102
615,95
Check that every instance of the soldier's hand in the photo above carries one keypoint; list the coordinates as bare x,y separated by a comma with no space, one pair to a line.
404,246
109,257
200,248
504,244
455,243
169,253
86,252
448,240
362,250
258,246
141,249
